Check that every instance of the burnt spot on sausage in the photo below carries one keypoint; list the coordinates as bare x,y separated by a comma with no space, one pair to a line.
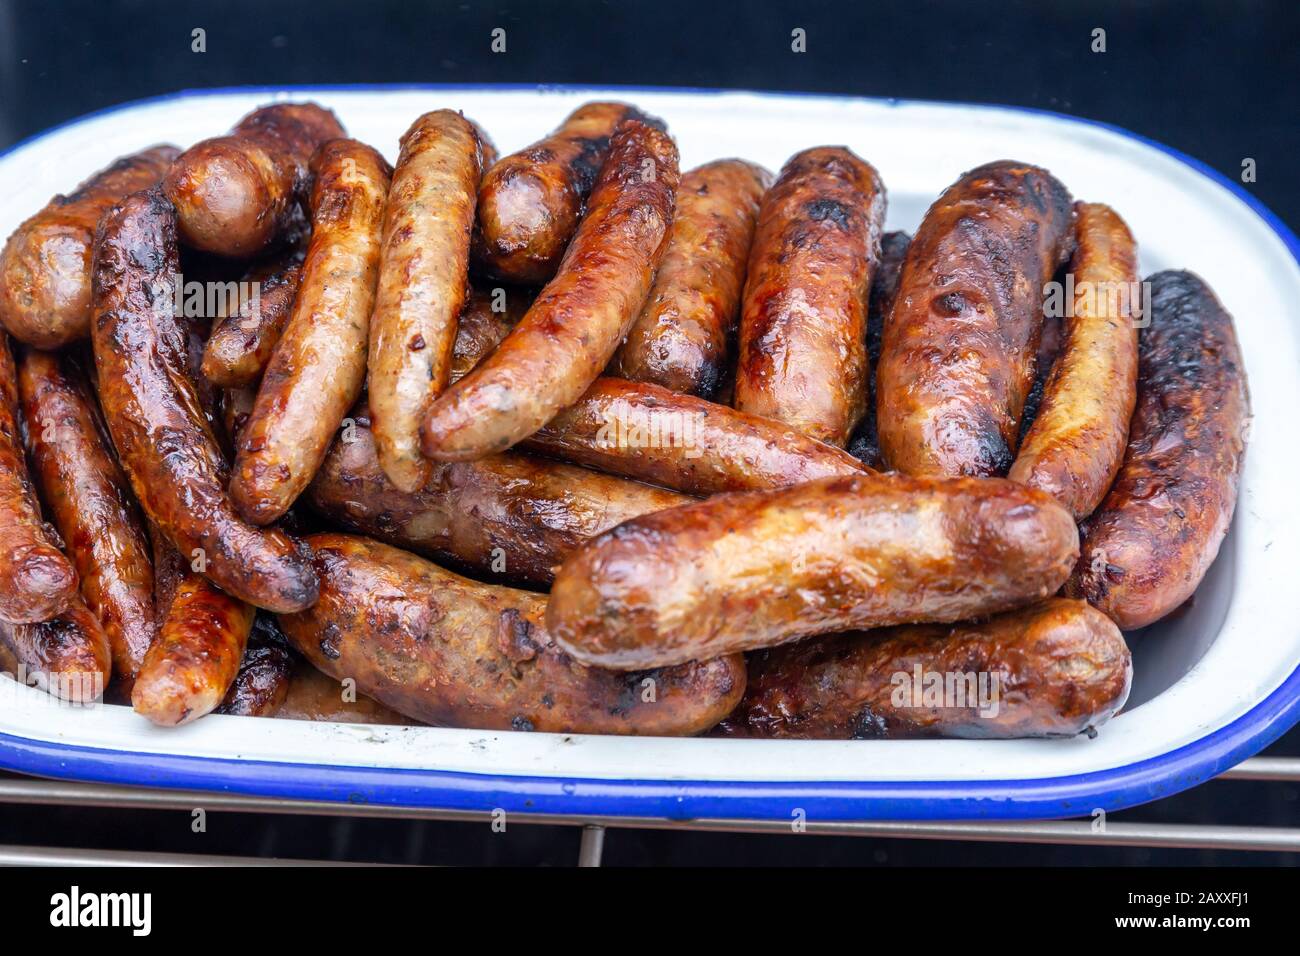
866,724
329,641
821,210
521,723
586,165
514,637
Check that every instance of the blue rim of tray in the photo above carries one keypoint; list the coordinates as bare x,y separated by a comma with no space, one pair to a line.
684,800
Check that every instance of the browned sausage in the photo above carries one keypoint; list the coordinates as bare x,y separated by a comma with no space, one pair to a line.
160,432
428,222
1076,443
316,696
1159,529
803,327
530,203
235,194
865,443
45,268
319,366
67,656
38,581
757,569
1056,669
195,659
570,333
681,337
262,683
488,317
90,504
957,359
511,516
241,345
649,433
236,404
449,651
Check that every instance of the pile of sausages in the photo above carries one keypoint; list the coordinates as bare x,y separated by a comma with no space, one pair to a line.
701,452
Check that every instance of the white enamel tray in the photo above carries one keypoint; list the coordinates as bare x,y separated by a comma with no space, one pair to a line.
1213,685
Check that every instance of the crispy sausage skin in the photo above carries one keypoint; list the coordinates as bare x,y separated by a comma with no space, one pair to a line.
680,339
530,203
67,656
1146,548
38,580
241,345
646,432
957,357
262,682
510,515
488,317
319,365
154,416
757,569
1055,669
45,267
192,664
449,651
1076,444
428,222
90,504
802,357
312,695
235,194
569,335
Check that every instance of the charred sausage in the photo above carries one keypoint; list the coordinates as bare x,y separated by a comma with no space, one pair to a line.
241,345
67,656
488,317
262,682
865,443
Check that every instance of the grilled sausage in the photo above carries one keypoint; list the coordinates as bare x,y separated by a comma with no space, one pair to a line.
530,203
1157,532
488,317
235,194
757,569
449,651
803,358
957,357
236,404
319,366
680,339
241,345
38,580
192,664
315,696
649,433
570,333
90,504
428,222
865,443
67,656
165,445
45,267
1056,669
1076,443
262,682
511,515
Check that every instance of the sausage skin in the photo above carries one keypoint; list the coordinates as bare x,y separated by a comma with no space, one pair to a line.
680,339
428,222
482,326
236,194
319,365
154,416
67,656
802,357
1158,530
45,267
1056,669
569,335
262,682
865,443
757,569
241,345
957,356
312,695
452,652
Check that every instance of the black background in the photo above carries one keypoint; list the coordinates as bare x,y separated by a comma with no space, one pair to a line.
1216,80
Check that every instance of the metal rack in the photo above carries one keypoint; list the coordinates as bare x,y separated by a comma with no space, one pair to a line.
1065,832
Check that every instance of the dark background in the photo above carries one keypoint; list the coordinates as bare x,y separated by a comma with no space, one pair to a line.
1216,80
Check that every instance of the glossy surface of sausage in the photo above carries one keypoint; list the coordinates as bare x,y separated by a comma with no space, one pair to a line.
241,345
865,443
262,682
67,656
487,318
312,695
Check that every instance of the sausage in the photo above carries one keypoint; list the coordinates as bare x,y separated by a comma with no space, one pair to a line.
45,267
760,568
649,433
512,516
957,355
802,357
241,345
865,443
235,405
570,333
1056,669
235,194
1156,533
319,366
192,664
315,696
38,580
428,221
67,656
483,325
90,504
680,339
262,682
530,203
452,652
152,410
1076,443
